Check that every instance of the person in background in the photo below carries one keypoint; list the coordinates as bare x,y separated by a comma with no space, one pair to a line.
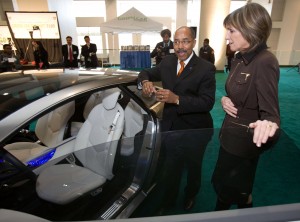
8,61
164,48
70,53
188,93
229,55
40,55
88,51
251,105
206,52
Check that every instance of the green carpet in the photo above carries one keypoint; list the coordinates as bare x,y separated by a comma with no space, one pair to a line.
278,174
289,98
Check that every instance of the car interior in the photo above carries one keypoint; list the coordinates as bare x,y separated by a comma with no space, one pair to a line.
104,124
50,131
85,153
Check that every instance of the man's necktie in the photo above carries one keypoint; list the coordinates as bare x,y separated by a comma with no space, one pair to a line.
70,53
181,68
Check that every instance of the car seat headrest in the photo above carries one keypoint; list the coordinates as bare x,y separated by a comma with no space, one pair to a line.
111,97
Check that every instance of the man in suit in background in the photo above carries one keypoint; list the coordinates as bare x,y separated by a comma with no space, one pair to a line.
206,52
89,52
70,53
8,60
164,48
188,95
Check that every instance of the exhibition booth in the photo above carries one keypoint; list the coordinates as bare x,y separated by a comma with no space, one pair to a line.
132,21
41,26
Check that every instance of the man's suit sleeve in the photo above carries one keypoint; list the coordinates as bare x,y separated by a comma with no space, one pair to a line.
154,52
205,98
171,46
94,48
152,74
200,52
63,51
212,56
85,51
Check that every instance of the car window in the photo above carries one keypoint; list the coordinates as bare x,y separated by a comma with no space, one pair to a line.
17,95
150,102
121,160
18,91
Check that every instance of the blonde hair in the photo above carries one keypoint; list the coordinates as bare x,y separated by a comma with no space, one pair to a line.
253,22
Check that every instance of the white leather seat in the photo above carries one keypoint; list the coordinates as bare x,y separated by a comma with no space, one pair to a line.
94,99
63,183
50,130
134,122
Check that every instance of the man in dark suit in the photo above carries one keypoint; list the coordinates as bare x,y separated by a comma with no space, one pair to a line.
89,52
189,94
164,48
70,53
206,52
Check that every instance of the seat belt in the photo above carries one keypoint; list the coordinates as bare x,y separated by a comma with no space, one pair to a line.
113,126
110,136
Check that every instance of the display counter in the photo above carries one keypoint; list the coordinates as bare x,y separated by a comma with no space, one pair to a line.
135,59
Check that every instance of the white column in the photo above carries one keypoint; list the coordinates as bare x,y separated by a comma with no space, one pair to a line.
212,15
288,50
66,19
32,5
266,4
113,39
15,4
181,13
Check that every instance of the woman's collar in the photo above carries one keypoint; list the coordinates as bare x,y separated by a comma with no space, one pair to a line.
249,56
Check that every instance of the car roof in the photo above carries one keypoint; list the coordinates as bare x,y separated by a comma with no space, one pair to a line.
17,90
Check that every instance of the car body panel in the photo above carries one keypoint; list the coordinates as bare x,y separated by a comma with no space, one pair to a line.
130,193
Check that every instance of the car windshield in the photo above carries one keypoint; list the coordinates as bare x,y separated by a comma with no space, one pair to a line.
138,177
21,88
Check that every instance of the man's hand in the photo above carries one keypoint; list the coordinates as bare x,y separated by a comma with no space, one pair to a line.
167,96
148,88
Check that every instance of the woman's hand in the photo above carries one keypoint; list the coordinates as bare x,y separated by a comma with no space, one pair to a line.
228,106
263,130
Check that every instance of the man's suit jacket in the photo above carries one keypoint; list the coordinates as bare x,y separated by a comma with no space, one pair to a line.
65,52
163,52
207,53
196,87
89,54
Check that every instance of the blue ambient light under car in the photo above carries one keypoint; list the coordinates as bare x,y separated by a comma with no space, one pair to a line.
40,160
